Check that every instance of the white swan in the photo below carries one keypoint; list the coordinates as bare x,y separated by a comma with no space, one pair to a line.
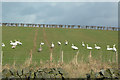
108,48
66,42
74,47
114,48
52,45
13,43
3,45
83,44
18,42
89,48
41,43
97,47
59,43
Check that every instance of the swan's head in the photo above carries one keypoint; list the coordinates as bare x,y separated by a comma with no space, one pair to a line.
72,44
114,45
108,46
87,44
10,41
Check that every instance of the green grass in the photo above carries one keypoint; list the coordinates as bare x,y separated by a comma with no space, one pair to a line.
75,36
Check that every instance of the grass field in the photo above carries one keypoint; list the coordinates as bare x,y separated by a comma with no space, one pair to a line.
31,37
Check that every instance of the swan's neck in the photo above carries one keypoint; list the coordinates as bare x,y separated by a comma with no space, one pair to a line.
87,45
95,45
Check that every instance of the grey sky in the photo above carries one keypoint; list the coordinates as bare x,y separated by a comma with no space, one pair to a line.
83,13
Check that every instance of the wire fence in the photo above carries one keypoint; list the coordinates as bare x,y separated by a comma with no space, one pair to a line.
61,57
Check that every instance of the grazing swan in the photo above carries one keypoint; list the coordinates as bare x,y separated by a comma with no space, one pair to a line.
18,42
59,43
52,45
97,47
83,44
114,48
66,42
13,43
74,47
3,45
90,48
108,48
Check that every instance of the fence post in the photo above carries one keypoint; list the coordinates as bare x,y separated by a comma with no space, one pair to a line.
77,57
51,57
62,56
1,55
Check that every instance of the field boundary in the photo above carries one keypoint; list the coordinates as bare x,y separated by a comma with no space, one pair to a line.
61,26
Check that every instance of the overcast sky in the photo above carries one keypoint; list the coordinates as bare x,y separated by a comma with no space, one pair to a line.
83,13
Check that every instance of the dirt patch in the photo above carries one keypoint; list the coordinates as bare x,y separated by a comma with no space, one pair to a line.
35,38
34,45
46,40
